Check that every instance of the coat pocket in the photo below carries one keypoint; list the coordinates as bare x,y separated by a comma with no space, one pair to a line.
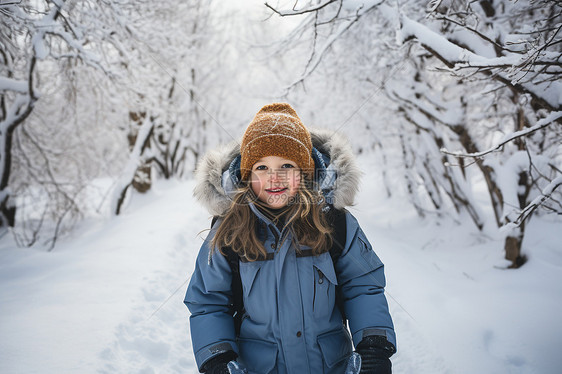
367,251
259,356
248,273
335,347
325,265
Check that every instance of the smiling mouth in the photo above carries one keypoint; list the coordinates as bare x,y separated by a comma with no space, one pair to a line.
276,190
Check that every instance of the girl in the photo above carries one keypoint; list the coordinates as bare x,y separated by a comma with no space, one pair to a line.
273,195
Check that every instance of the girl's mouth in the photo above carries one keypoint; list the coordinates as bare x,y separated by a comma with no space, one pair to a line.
276,190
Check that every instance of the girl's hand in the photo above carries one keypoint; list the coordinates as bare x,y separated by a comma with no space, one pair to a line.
375,354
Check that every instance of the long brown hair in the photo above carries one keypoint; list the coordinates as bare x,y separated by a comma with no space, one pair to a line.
303,216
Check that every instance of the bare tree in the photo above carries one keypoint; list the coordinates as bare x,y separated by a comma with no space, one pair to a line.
97,97
39,40
180,95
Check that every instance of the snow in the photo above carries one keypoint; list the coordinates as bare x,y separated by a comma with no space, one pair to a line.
431,39
508,180
109,298
9,84
87,305
458,58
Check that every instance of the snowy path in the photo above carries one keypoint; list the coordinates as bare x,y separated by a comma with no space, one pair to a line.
96,303
109,300
154,338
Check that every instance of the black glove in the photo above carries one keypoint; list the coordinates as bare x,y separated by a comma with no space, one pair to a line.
375,354
217,365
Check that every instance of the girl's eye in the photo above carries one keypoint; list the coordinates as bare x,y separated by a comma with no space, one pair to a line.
261,167
288,166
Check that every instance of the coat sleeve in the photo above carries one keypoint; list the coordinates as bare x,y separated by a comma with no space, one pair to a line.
361,277
208,298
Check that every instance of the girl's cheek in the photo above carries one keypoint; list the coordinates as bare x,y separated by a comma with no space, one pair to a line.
256,185
296,180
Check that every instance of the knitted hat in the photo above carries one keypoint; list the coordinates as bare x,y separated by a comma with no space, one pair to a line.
276,130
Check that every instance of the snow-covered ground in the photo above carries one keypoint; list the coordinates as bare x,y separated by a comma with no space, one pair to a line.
109,298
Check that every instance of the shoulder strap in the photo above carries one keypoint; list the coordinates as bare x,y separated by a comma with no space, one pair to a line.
237,305
336,218
338,222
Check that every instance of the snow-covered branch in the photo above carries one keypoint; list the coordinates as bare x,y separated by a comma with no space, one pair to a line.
484,68
458,58
295,12
13,85
537,202
541,124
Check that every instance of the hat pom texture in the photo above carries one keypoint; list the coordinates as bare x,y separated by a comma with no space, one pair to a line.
276,130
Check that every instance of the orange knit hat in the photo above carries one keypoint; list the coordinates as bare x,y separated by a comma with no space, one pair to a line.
276,130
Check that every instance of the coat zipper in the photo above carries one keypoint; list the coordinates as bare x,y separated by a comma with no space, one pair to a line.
320,281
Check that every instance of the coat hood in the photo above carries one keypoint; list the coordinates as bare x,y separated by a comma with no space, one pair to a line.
337,174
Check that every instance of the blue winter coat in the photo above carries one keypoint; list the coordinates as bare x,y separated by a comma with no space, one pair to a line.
292,323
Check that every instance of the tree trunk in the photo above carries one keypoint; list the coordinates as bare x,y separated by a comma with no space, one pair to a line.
138,141
10,120
143,178
7,213
142,181
514,241
513,250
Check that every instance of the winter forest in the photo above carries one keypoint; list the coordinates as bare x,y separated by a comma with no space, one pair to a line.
453,108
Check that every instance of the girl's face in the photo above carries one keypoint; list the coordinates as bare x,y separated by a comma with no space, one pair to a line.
275,180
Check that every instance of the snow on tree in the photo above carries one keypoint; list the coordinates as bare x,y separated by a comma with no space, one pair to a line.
44,43
179,86
99,95
461,76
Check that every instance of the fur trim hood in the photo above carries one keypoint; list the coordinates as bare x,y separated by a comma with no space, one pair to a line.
337,173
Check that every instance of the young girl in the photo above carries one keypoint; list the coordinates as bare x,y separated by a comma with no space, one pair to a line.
273,195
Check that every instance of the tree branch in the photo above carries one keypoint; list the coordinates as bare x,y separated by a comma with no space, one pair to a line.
537,202
316,57
456,57
541,124
294,12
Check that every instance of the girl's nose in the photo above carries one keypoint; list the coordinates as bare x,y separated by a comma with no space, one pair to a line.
274,176
283,174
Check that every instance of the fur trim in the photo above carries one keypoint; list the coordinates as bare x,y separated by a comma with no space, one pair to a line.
343,160
208,174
